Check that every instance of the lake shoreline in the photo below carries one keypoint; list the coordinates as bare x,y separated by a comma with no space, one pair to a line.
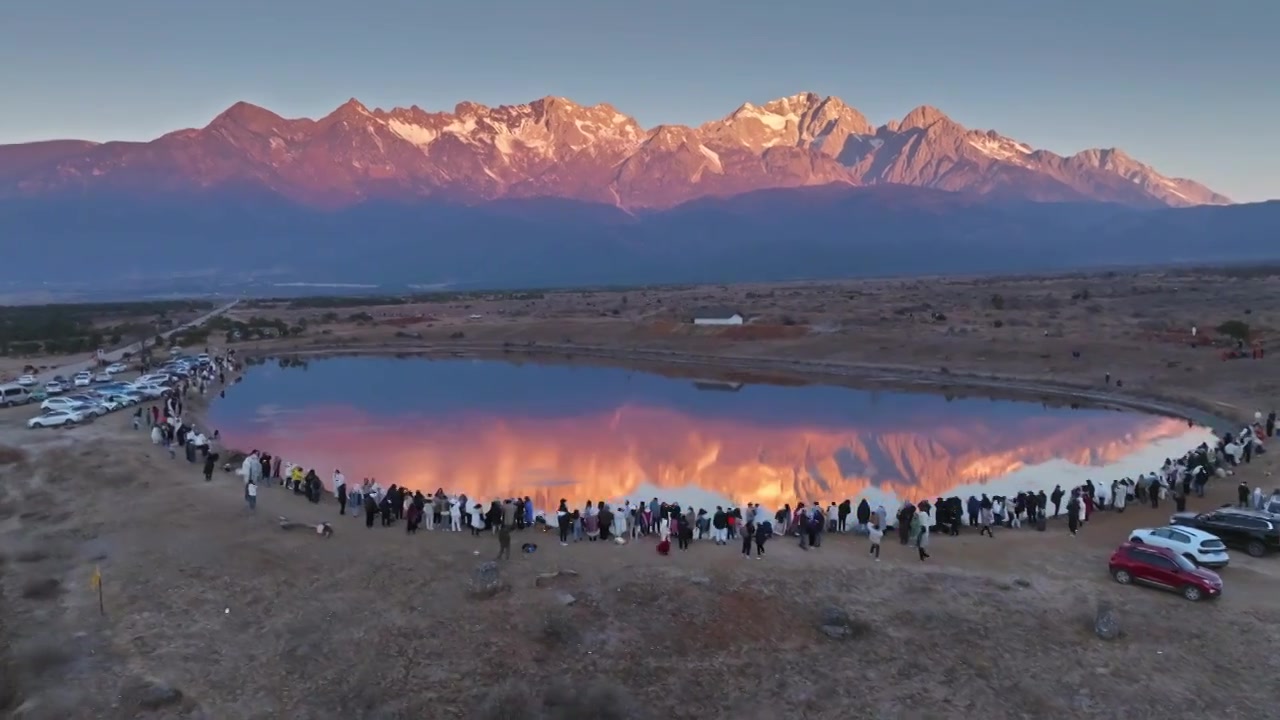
768,370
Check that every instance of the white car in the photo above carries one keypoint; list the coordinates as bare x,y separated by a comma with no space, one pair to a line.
117,368
151,392
1198,546
57,403
133,397
115,401
110,404
53,387
27,380
83,379
55,418
88,409
102,377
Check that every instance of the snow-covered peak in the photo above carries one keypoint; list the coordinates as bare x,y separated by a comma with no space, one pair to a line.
998,147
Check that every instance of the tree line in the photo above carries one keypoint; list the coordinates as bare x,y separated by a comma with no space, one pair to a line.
85,327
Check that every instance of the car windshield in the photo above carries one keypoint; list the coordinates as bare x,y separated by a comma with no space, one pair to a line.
1183,563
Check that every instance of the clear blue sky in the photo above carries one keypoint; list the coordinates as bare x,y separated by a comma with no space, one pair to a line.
1189,86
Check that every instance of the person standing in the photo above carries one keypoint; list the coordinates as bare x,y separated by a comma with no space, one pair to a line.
720,523
986,516
1073,513
340,491
504,542
876,533
748,538
251,495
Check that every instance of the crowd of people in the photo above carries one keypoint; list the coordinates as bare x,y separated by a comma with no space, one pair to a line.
751,526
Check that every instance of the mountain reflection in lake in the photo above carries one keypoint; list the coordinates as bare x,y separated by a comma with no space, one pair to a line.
494,429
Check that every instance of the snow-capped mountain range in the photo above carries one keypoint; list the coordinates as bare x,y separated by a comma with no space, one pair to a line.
555,148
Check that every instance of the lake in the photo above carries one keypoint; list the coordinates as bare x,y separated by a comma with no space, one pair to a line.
496,429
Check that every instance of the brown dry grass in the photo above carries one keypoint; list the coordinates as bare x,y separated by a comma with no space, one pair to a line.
245,621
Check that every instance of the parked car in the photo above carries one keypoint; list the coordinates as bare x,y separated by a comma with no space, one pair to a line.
1202,548
150,391
11,395
117,368
134,396
53,387
57,403
89,409
1254,532
110,404
102,377
27,380
1165,569
83,379
54,418
120,400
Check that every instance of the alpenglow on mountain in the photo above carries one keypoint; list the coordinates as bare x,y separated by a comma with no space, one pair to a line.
558,149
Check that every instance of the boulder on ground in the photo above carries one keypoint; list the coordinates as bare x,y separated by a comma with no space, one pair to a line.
147,694
486,580
1106,622
837,624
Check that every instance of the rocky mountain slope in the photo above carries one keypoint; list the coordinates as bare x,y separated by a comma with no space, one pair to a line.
555,148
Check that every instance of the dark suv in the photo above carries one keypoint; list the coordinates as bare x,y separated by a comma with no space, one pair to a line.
1254,532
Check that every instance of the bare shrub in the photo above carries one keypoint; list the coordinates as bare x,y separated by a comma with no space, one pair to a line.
598,698
32,555
12,455
40,657
558,627
43,589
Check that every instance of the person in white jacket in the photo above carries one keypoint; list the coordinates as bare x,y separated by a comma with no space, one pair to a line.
455,515
251,466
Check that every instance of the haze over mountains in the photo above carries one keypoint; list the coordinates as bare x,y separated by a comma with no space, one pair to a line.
552,192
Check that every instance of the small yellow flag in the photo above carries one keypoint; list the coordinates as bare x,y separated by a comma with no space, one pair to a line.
95,582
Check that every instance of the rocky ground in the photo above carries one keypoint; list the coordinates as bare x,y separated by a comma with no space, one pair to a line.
214,612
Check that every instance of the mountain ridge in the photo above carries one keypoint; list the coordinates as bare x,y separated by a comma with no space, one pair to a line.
232,234
553,147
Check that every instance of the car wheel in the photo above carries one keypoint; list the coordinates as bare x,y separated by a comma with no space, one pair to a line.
1192,593
1191,559
1255,549
1122,577
1135,540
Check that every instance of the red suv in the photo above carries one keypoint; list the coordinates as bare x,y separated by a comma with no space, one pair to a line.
1163,568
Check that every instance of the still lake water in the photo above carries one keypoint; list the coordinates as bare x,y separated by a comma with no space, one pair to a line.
495,429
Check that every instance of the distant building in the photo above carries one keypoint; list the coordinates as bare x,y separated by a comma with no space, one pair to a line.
719,385
717,316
